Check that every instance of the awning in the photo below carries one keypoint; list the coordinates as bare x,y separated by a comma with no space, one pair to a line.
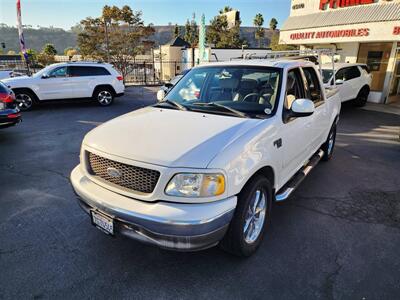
345,16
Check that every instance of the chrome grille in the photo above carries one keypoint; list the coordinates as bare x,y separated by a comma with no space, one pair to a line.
127,176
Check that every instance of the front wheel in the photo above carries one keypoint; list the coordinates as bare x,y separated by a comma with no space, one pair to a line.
251,219
329,145
104,96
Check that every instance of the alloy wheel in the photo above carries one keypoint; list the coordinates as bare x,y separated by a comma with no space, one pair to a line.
24,101
104,97
255,217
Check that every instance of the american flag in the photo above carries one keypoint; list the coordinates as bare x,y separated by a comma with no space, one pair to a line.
20,31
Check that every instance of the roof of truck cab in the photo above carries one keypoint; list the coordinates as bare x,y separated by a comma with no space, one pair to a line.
276,63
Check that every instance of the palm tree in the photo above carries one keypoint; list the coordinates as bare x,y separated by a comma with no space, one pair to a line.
273,24
259,22
225,9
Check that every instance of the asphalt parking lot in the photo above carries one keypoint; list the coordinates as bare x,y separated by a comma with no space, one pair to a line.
337,238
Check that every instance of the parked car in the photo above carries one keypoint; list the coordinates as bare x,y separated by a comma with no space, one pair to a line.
82,80
353,81
228,140
166,87
9,112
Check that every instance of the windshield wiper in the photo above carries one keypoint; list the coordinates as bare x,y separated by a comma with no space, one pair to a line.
175,104
230,109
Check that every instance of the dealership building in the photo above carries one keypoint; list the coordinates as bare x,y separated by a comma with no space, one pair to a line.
363,31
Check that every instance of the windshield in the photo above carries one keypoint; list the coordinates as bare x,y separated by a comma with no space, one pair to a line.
326,75
43,71
253,91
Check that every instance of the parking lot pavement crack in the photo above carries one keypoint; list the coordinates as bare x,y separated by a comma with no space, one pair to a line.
57,173
369,207
331,278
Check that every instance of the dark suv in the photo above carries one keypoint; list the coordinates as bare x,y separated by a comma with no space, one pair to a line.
9,111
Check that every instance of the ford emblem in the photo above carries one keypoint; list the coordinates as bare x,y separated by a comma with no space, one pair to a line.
114,173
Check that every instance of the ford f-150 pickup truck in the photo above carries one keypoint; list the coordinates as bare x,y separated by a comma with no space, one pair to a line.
204,166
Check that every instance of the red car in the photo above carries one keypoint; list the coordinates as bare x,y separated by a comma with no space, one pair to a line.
9,111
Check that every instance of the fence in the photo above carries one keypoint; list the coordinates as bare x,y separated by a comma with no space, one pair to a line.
139,72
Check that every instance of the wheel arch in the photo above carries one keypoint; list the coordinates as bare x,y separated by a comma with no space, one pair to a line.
365,87
15,90
267,172
108,86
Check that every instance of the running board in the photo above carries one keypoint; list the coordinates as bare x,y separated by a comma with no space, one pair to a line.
295,181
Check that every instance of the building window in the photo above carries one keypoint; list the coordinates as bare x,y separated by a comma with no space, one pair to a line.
376,56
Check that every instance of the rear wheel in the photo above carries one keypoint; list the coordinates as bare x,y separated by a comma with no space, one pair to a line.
104,96
25,99
251,219
362,97
329,145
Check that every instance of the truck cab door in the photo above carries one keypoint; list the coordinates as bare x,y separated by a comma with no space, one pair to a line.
297,133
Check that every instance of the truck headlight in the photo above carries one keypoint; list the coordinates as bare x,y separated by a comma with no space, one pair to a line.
196,185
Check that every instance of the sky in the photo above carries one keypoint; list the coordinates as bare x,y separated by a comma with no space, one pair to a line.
66,13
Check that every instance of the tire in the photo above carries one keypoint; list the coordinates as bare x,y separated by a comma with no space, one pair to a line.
329,145
362,97
104,96
238,240
25,99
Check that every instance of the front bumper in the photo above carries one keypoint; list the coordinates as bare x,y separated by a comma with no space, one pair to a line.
175,226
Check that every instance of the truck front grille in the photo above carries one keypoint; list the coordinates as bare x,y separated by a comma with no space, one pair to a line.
127,176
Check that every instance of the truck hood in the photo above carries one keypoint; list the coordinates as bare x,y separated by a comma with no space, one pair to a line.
167,137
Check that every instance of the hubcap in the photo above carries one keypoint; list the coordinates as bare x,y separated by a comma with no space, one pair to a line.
331,142
105,97
24,101
255,217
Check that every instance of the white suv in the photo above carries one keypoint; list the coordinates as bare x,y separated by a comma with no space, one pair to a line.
98,81
353,81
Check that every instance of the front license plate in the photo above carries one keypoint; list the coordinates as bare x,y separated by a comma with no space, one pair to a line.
104,223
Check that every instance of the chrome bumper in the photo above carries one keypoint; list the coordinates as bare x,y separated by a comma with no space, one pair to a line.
175,226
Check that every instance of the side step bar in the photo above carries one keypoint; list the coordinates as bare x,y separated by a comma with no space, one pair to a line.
295,181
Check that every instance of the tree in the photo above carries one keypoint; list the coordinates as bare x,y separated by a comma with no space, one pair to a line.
260,33
177,31
192,32
225,9
117,36
70,53
273,24
49,49
275,46
220,35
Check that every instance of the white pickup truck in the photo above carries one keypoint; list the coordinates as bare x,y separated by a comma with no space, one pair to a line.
205,165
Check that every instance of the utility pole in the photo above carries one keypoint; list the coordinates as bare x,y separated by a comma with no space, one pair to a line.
107,41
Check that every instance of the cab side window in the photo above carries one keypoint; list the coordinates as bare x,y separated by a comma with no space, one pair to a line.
313,86
294,88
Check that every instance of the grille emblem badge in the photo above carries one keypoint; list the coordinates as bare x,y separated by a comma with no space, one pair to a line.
114,173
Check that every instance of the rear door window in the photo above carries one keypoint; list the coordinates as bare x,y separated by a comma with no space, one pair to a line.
313,87
82,71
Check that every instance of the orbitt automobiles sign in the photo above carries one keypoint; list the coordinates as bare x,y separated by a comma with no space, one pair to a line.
324,4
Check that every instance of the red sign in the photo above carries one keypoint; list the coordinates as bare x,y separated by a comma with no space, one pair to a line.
330,34
396,30
323,4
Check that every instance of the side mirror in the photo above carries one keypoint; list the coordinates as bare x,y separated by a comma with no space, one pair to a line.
339,81
302,108
45,76
160,95
168,85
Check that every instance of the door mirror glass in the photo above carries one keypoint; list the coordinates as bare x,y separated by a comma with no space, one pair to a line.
160,95
339,81
168,85
302,108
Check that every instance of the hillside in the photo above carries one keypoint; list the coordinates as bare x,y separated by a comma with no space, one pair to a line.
62,39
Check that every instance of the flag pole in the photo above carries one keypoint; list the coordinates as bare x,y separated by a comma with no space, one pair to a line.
21,36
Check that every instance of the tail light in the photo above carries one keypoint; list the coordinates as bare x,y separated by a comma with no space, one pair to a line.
7,98
120,77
